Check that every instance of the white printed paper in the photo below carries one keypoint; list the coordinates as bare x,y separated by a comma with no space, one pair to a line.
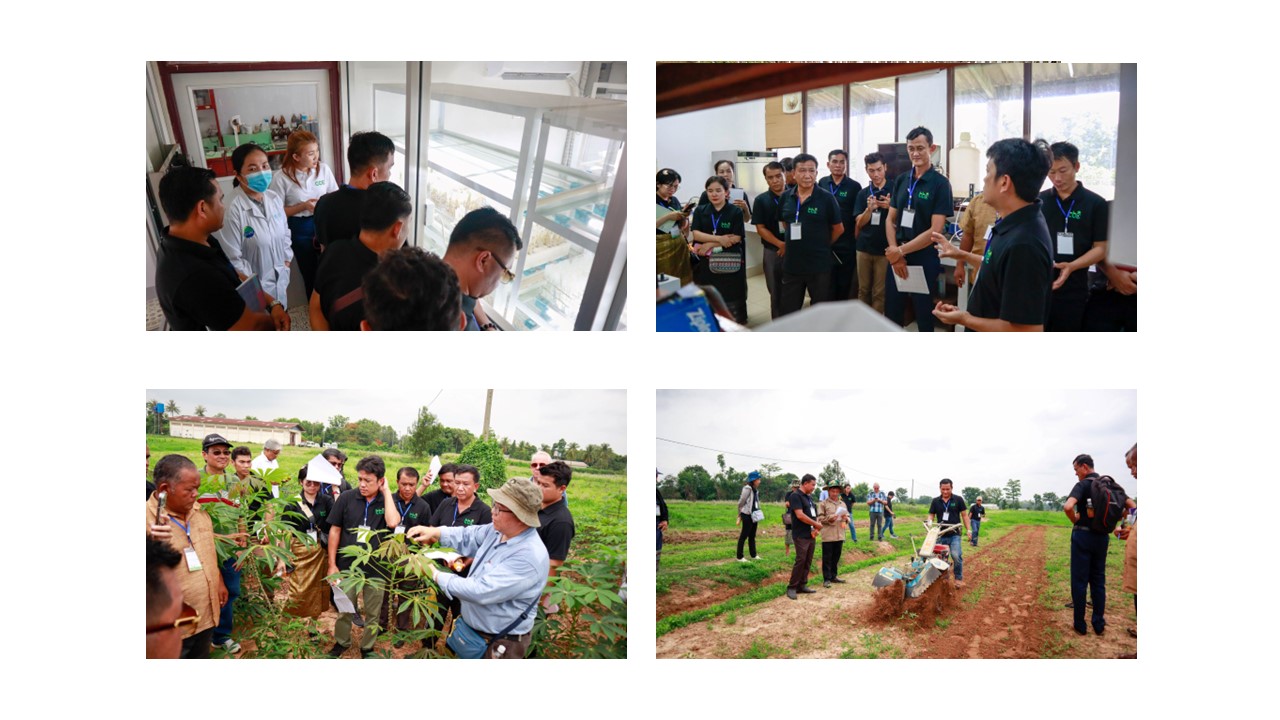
914,283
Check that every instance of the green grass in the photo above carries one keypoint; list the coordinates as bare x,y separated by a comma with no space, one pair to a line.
941,623
760,650
873,648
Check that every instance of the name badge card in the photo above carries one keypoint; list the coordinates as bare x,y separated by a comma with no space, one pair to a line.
795,231
908,218
193,560
987,236
875,217
399,529
946,515
312,534
1066,243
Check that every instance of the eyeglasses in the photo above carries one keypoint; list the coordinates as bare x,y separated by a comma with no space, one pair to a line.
536,465
220,453
188,617
507,275
498,509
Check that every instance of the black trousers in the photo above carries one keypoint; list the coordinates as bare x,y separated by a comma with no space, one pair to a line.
844,276
804,556
831,559
1066,313
747,535
794,287
198,646
1109,311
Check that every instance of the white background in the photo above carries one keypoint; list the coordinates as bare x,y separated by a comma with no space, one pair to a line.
78,356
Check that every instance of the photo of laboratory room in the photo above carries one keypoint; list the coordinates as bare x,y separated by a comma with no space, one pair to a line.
337,195
882,197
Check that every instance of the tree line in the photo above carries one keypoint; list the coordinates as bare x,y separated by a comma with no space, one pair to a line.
425,437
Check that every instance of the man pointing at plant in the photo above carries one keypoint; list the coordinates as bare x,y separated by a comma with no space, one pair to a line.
500,595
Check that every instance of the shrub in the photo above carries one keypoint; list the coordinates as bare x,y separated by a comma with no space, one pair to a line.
487,456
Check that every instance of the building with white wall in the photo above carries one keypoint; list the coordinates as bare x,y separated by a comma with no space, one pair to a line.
251,432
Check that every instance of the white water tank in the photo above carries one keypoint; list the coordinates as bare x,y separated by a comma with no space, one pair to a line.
964,163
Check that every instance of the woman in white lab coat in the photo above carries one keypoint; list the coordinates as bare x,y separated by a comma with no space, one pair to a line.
254,233
301,181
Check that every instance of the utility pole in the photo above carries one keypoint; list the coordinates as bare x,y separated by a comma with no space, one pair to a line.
488,405
913,490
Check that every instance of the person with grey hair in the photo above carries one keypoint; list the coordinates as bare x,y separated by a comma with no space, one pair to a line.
500,594
1129,533
267,459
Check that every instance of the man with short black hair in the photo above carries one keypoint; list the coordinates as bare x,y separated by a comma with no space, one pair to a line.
1012,291
195,282
813,219
414,511
482,252
977,514
337,303
919,208
188,530
556,526
889,515
949,509
370,155
1088,550
804,525
436,497
498,598
869,210
410,289
844,271
789,172
164,602
368,509
767,215
1077,220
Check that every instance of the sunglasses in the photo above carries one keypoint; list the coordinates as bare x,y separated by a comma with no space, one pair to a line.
536,465
188,617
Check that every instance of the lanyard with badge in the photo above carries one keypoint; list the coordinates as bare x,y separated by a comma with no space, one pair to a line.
909,215
946,512
871,198
715,221
308,510
986,255
1066,239
403,515
777,204
795,226
365,525
193,560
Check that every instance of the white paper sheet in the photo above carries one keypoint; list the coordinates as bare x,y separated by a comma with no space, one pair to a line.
320,470
914,283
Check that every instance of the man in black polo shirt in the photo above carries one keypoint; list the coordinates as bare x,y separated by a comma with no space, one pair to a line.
195,282
1012,290
367,510
870,210
844,273
949,509
482,250
436,497
1077,219
370,156
464,509
414,511
1088,550
920,206
766,213
557,526
804,522
337,303
813,224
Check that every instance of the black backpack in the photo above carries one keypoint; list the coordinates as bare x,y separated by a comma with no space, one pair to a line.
1108,504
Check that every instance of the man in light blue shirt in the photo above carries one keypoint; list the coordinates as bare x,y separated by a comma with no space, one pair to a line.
509,569
875,511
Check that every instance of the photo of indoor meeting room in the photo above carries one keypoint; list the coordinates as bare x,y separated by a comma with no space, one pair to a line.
992,196
386,195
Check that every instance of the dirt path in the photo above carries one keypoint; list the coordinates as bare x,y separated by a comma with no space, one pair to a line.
999,613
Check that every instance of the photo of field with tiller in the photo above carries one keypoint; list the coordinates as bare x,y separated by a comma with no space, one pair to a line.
1012,604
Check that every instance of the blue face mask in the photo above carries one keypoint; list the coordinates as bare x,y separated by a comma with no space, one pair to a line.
259,181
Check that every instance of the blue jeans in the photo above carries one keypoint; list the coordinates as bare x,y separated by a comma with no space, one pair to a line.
953,541
853,532
230,578
877,521
1089,572
974,524
894,301
888,525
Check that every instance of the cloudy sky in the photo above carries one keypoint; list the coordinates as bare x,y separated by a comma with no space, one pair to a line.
893,437
542,417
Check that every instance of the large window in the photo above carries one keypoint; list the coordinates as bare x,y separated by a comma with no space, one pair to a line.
870,122
988,106
824,123
1080,103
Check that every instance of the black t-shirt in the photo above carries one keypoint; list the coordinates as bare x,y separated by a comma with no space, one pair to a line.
1082,491
1016,278
872,239
556,530
728,221
977,511
447,514
350,512
434,499
337,215
196,285
1087,224
413,513
704,200
342,269
811,252
846,195
767,210
319,520
928,196
888,506
803,505
952,507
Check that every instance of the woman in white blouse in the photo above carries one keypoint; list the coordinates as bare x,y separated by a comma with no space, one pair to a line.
301,181
254,233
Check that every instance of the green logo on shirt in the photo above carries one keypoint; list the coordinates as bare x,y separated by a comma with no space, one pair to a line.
986,258
812,210
468,521
724,225
922,195
844,193
1075,214
378,511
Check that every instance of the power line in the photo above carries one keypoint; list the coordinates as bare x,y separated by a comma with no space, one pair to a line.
760,457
